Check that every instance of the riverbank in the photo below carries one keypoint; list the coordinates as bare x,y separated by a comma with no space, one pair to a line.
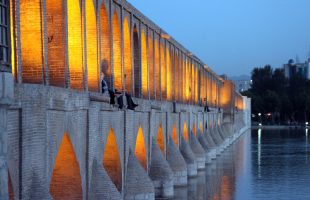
273,127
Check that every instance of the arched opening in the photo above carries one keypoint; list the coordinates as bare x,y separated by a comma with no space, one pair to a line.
117,55
140,150
75,44
105,44
175,134
137,62
201,127
161,139
66,180
157,68
10,185
145,70
194,130
91,39
31,52
112,161
56,48
163,70
127,57
168,71
151,64
185,132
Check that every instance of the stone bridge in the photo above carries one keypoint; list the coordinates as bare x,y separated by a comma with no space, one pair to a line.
60,137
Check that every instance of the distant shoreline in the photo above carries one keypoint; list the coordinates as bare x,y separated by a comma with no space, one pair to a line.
279,127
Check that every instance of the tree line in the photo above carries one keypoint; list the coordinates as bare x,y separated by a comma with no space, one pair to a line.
279,100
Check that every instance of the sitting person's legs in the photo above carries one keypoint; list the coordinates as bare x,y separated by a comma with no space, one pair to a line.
130,103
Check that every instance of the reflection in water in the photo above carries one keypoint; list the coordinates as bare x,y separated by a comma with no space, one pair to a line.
262,164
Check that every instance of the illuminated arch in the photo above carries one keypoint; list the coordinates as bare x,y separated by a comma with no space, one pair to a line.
201,127
137,62
157,69
140,149
31,52
151,64
163,70
66,180
112,161
91,39
105,44
127,56
174,134
176,76
56,48
168,71
117,55
185,132
75,44
161,139
145,74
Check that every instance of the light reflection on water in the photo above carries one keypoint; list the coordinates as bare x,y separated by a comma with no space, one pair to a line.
262,164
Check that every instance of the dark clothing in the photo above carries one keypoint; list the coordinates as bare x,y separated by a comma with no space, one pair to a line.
104,86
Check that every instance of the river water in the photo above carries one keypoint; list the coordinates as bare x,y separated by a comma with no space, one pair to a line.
262,164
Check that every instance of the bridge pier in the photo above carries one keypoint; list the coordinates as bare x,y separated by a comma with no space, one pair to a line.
6,100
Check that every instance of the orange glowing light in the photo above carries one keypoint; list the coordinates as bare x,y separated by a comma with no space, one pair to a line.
75,44
145,74
161,140
157,69
117,57
91,39
169,78
185,132
201,127
151,65
140,150
194,130
174,134
56,47
66,180
12,42
112,161
31,41
163,71
127,56
105,43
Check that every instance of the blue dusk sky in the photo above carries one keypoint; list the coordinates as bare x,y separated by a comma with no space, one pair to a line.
234,36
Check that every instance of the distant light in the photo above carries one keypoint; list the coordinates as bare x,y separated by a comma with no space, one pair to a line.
259,124
268,114
306,123
259,114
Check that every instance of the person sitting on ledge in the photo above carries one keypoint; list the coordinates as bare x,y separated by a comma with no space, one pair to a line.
114,93
206,108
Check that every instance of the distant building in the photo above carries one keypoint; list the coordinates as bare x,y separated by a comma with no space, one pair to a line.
242,83
292,68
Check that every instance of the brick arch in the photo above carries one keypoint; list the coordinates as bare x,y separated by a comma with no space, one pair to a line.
127,56
91,39
112,161
66,179
31,52
140,149
56,46
185,132
75,44
161,139
117,54
105,41
175,134
137,62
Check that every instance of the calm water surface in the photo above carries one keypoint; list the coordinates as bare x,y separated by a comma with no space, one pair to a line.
262,164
